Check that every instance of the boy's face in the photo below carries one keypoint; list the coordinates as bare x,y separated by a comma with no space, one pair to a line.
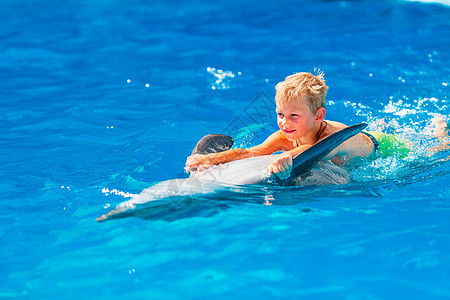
296,119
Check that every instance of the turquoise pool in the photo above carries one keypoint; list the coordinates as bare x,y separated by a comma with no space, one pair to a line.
101,100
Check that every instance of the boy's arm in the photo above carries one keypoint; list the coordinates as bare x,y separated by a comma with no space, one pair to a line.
275,142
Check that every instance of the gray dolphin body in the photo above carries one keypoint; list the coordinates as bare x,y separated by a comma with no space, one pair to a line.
306,171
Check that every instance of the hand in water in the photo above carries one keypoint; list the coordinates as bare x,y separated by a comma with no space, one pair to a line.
281,166
197,162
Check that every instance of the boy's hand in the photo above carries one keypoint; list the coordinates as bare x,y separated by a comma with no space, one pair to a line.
197,162
281,166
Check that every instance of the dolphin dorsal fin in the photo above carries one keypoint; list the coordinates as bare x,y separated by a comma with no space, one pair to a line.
213,143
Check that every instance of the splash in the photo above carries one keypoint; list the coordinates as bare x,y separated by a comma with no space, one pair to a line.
419,121
422,123
107,192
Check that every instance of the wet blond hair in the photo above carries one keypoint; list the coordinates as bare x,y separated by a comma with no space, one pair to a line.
303,84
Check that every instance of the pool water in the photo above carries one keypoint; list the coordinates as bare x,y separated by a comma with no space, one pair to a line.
99,100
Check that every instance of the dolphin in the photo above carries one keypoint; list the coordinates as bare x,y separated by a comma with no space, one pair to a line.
251,171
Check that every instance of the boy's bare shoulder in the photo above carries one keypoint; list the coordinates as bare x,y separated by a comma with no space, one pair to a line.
282,142
277,141
332,127
335,126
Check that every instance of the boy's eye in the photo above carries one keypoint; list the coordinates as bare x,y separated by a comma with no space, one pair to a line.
280,115
294,115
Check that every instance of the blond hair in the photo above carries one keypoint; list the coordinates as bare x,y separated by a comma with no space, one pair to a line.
312,87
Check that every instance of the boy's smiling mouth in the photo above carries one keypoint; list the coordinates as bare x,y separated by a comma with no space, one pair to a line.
289,131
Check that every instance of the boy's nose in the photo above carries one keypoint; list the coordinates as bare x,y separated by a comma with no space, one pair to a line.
284,121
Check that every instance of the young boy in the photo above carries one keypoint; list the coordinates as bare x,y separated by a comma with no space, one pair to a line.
300,106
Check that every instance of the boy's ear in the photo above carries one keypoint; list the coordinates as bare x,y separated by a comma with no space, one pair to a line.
320,114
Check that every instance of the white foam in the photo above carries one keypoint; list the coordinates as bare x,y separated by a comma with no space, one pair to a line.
107,192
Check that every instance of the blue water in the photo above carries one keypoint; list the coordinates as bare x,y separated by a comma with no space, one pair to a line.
101,99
